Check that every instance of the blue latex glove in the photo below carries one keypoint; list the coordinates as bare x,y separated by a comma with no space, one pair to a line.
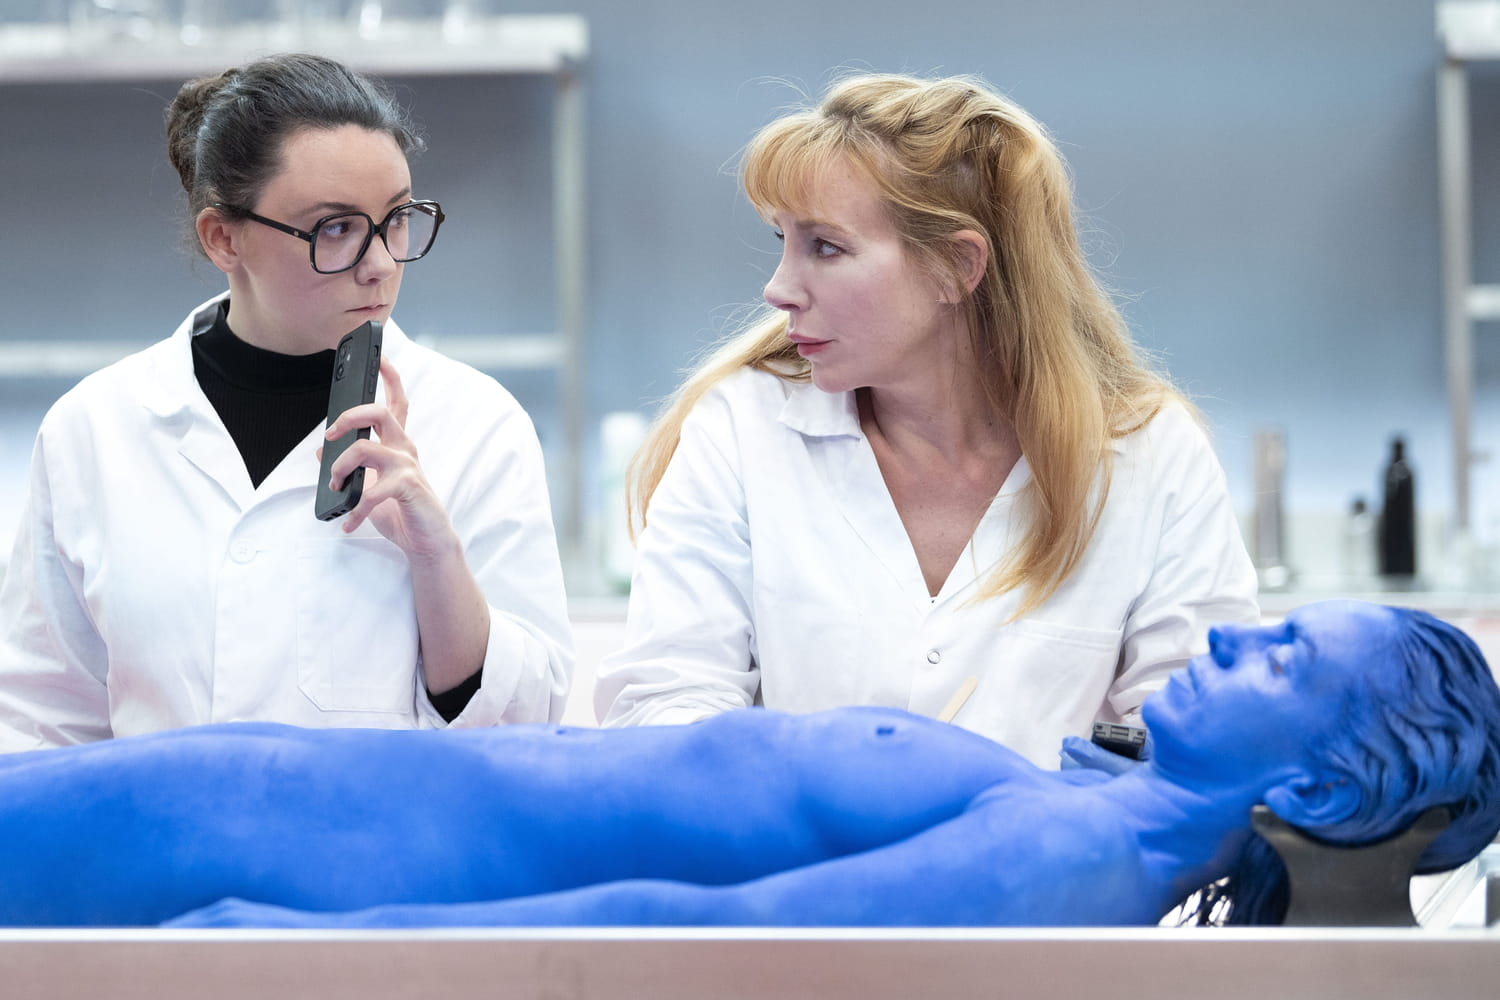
1078,753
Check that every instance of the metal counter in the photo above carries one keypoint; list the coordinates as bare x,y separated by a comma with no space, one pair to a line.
1453,955
1223,964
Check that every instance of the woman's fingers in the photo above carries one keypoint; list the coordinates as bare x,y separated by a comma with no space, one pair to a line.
387,419
375,416
392,470
375,456
395,392
413,517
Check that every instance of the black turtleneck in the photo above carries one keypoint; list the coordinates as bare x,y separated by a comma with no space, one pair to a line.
268,403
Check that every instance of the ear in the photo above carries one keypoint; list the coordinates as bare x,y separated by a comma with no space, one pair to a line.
972,254
1315,799
220,239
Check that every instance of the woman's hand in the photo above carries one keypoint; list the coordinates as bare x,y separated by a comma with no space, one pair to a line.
396,498
453,618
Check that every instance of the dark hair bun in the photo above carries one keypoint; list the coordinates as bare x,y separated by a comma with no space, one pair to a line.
184,116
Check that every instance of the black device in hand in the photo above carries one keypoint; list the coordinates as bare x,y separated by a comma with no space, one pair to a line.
1127,741
356,370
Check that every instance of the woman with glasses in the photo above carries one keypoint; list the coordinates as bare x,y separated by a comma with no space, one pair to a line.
169,570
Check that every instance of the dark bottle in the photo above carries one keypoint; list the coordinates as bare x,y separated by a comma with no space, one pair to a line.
1398,516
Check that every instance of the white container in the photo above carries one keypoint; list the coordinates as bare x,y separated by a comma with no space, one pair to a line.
1357,560
620,434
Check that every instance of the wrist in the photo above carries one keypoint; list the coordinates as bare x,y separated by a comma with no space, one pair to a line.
433,552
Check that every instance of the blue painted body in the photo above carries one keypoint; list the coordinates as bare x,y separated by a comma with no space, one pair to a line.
856,816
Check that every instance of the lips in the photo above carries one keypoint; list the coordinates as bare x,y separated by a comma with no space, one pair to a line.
807,346
1186,679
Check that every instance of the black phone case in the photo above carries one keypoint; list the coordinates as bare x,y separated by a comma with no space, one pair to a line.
356,370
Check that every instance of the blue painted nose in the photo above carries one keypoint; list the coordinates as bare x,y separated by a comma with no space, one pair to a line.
1222,643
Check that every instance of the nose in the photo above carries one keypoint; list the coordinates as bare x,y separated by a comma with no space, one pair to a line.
1228,644
1223,642
377,264
783,291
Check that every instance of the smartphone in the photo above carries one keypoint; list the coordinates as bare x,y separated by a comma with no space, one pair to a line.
356,370
1127,741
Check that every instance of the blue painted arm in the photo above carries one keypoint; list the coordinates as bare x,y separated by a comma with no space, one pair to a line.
964,872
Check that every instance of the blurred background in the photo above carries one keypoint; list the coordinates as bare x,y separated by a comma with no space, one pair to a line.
1258,182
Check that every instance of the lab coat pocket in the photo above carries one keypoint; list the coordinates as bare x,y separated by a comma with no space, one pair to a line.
1042,681
815,655
356,626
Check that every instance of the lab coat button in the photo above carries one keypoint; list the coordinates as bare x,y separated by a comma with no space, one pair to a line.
242,552
933,656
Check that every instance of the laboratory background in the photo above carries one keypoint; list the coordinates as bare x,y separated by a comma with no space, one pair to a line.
1295,202
1260,185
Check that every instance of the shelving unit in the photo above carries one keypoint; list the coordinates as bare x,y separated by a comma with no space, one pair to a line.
1469,31
550,45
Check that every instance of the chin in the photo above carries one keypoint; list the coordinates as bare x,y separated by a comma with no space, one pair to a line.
1162,718
830,383
349,320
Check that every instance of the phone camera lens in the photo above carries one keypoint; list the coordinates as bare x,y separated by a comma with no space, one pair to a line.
339,371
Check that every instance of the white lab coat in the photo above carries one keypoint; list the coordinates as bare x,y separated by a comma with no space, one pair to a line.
774,568
152,587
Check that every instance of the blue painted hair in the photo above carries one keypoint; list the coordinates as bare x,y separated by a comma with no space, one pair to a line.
1434,741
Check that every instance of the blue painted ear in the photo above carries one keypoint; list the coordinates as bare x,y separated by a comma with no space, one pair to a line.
1312,800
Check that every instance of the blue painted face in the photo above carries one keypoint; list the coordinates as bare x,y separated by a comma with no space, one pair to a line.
1244,714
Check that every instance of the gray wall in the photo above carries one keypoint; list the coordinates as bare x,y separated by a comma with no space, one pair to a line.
1258,182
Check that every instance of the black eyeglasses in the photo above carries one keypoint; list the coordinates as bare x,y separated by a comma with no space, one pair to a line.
337,242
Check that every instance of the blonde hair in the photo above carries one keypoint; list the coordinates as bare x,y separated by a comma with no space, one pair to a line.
948,155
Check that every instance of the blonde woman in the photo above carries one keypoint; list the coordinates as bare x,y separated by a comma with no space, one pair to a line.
937,473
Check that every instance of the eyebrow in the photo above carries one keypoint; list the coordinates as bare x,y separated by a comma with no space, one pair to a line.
327,207
818,224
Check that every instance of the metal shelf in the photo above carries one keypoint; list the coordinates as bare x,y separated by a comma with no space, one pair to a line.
77,358
534,44
551,45
1468,31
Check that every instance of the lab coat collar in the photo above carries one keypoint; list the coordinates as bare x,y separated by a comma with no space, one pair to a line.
173,389
853,476
858,488
173,395
815,413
